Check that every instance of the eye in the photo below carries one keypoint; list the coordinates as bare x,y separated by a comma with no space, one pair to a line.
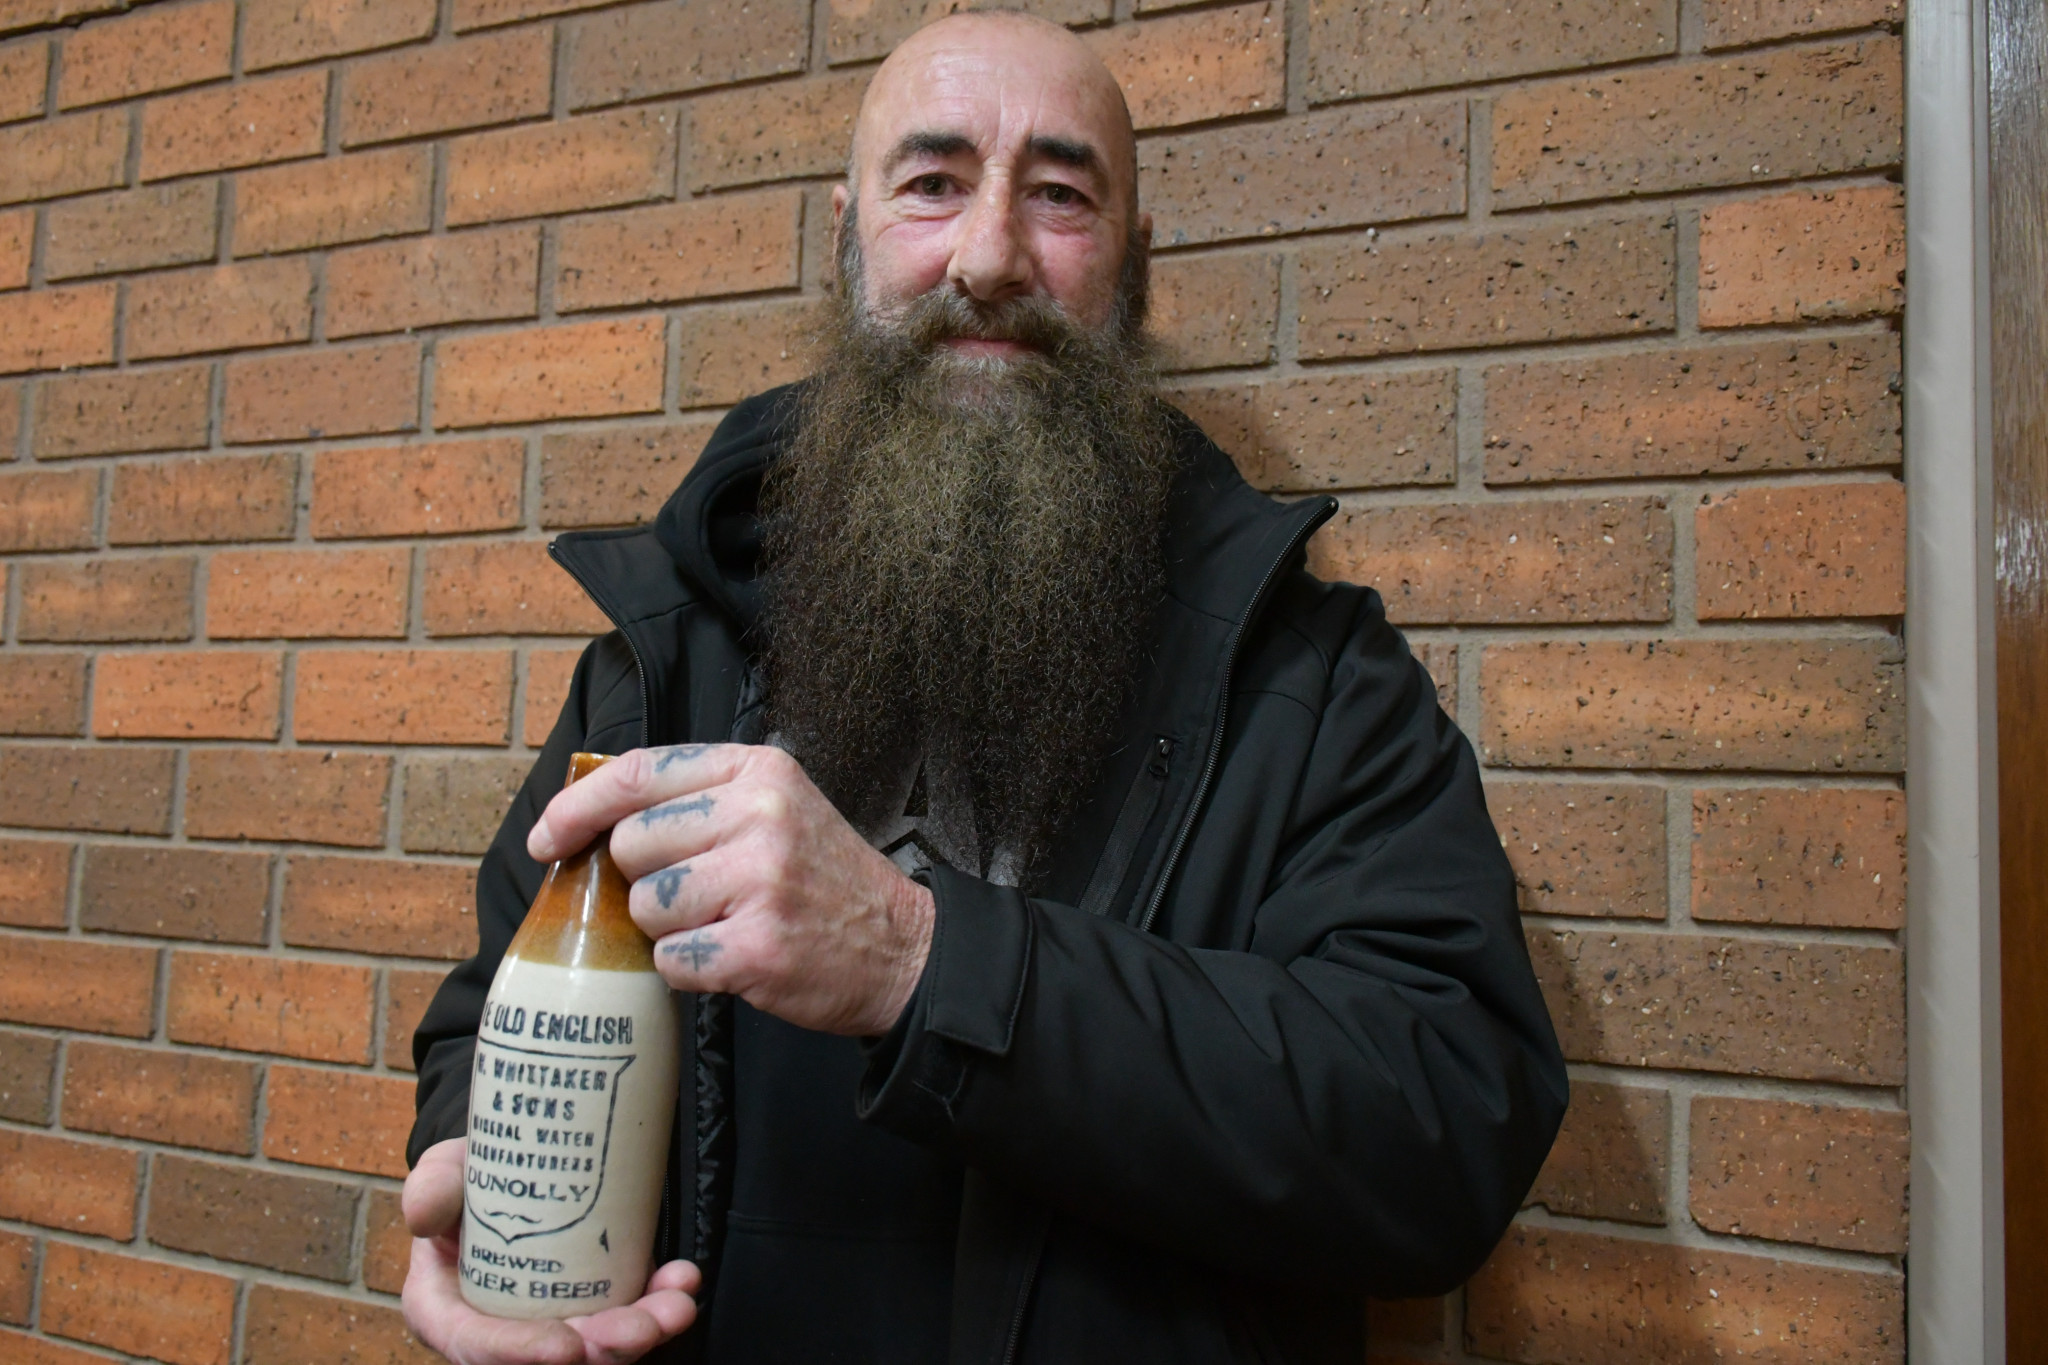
931,185
1062,195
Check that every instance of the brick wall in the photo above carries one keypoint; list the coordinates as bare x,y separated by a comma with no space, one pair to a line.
318,317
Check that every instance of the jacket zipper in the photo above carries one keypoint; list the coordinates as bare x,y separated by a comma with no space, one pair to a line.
1187,827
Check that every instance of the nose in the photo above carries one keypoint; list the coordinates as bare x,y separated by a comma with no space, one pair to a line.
989,260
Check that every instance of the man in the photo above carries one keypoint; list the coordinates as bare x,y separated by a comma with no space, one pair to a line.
1096,945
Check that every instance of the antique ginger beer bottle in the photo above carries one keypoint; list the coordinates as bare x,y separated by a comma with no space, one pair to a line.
570,1102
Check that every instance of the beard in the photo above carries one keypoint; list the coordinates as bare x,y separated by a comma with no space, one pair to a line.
962,554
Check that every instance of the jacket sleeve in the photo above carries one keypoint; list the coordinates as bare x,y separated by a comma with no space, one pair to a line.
445,1041
1365,1093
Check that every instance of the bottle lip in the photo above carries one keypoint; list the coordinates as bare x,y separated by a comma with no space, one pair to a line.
582,765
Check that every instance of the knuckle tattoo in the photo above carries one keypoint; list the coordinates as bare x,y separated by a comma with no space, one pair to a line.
672,810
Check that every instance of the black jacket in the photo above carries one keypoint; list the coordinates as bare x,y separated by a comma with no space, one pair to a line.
1266,1041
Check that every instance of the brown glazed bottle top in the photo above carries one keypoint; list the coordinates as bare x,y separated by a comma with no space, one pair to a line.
579,918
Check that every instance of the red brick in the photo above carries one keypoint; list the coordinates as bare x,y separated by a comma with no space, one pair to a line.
220,308
83,1187
424,281
285,32
471,14
1583,848
1548,282
122,411
308,594
1736,23
455,805
211,498
283,1222
35,876
245,124
1343,168
13,397
1812,550
1213,311
1774,704
1553,1295
626,157
1823,1175
438,489
387,1243
17,245
290,1326
1817,856
409,995
145,598
322,1011
17,1348
380,905
48,511
547,688
1612,1158
585,369
197,694
734,244
500,78
54,329
148,51
777,131
343,1120
132,229
510,588
17,1278
24,14
1809,256
117,790
305,796
24,77
404,696
648,50
42,694
174,892
43,160
332,391
860,30
78,985
338,199
1774,115
617,476
1188,68
146,1308
1359,50
1507,562
28,1067
1336,431
1743,1006
1804,404
180,1098
731,352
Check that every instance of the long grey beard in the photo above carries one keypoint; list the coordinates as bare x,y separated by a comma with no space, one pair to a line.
962,557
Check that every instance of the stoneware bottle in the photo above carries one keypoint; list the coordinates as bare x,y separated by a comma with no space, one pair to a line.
570,1103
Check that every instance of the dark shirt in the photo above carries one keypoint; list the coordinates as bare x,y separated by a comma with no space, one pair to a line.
839,1244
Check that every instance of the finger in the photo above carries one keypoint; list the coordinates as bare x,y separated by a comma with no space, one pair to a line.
631,782
439,1316
719,958
697,891
682,1275
432,1199
617,1335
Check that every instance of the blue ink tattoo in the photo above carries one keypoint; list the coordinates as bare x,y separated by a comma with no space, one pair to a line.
692,805
694,946
667,882
679,753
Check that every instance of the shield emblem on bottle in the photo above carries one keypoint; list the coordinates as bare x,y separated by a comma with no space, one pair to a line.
538,1140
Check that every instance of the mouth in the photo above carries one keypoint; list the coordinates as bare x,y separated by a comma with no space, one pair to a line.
981,348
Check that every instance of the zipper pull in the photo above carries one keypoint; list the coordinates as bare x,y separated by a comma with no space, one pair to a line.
1162,752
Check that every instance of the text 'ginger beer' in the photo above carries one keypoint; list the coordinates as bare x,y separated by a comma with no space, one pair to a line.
570,1102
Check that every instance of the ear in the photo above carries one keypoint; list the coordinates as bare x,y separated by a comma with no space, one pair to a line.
1145,230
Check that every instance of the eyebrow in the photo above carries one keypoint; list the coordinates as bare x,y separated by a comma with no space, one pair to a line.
928,142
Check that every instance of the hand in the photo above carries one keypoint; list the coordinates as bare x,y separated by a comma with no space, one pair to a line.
438,1315
752,883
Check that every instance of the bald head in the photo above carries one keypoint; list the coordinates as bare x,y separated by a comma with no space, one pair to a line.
994,152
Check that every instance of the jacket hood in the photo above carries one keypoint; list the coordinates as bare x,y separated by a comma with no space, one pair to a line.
1217,525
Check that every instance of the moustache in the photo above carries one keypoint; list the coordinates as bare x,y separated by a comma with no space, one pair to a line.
945,314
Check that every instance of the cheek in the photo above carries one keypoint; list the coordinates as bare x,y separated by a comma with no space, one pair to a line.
1081,273
904,260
